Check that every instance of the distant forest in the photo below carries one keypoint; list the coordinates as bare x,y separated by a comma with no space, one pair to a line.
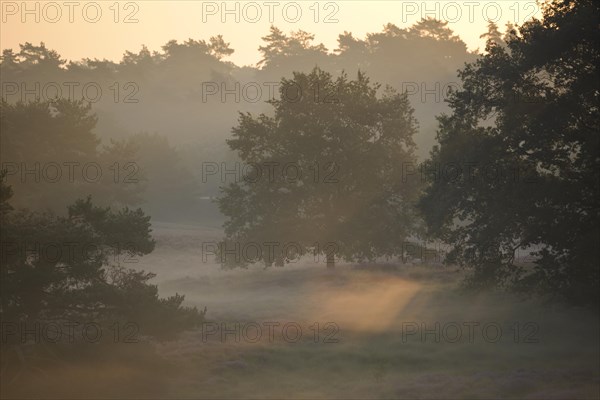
176,107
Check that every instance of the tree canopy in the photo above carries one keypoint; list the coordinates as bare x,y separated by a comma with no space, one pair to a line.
74,268
336,152
524,132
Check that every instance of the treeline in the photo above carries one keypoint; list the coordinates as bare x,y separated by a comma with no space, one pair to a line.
516,168
189,94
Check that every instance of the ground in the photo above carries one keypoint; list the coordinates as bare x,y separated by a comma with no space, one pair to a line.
377,337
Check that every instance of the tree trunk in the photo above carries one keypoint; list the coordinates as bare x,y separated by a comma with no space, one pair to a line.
330,260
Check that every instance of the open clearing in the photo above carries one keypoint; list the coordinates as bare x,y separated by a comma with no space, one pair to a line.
361,354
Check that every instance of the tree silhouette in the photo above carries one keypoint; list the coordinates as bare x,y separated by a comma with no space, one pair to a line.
493,36
337,153
57,136
525,131
71,268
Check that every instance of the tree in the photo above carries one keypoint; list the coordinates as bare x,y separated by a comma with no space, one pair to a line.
47,147
326,173
70,268
219,48
276,42
525,130
170,187
283,54
433,28
9,61
436,53
40,57
493,37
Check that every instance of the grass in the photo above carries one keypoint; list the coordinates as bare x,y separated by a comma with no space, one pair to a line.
372,358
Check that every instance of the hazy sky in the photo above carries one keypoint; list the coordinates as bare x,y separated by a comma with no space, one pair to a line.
105,29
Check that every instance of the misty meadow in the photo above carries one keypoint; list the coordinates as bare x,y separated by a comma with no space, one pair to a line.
402,216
